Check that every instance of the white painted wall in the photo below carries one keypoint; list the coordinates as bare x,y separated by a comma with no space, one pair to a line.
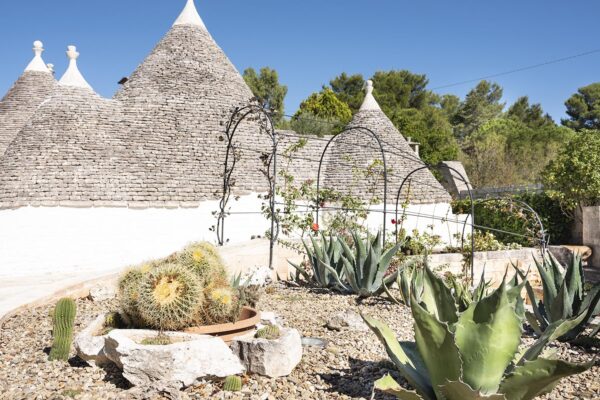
42,240
51,240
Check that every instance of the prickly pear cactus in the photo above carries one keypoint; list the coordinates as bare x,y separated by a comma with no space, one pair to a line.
170,298
63,319
270,332
232,384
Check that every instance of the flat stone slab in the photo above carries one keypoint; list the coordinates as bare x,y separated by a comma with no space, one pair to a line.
190,358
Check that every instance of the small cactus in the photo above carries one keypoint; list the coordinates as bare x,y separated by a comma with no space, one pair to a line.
232,384
170,298
269,332
62,331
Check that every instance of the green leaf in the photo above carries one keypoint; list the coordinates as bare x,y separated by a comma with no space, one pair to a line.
436,346
388,385
458,390
552,332
300,270
488,335
404,357
538,377
437,297
534,323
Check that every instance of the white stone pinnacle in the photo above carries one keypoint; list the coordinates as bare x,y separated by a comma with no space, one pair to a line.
370,103
190,16
37,64
72,76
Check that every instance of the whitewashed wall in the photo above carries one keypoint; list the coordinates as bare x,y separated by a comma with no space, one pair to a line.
45,240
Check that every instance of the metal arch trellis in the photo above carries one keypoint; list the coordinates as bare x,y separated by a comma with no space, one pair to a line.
270,161
543,239
463,179
363,130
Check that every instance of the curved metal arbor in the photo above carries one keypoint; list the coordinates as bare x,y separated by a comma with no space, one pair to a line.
237,117
369,132
463,179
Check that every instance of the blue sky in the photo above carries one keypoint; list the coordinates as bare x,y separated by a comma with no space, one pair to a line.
310,41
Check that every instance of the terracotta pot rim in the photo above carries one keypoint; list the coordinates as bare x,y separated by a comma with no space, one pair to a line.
244,324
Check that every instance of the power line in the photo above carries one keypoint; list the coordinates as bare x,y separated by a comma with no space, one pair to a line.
521,69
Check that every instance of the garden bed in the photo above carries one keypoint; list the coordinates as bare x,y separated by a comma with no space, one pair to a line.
345,369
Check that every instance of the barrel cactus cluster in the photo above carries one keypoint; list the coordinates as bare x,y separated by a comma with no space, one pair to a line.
188,288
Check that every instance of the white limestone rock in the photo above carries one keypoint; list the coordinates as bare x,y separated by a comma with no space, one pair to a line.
89,346
272,358
180,364
101,293
258,276
347,320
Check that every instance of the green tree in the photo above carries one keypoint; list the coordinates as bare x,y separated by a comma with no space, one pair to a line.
573,177
531,115
482,104
267,90
450,105
506,152
583,108
401,89
431,129
349,89
322,112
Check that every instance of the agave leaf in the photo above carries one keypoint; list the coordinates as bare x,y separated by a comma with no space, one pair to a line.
408,362
548,284
437,297
538,377
515,298
488,334
300,270
589,299
539,315
552,332
534,323
436,346
335,275
457,390
388,385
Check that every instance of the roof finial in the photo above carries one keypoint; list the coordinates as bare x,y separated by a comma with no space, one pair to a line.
370,103
72,76
190,16
37,64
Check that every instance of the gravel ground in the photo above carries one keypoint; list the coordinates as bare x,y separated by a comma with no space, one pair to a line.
346,369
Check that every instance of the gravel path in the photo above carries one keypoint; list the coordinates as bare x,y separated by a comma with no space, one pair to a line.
346,369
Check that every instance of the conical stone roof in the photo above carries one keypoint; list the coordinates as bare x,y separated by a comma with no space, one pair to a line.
65,155
356,152
177,103
24,97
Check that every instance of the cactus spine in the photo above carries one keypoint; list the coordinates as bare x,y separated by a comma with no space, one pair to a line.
62,331
203,258
269,332
232,384
170,298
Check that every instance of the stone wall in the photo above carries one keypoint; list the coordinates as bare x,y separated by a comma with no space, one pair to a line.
591,233
495,263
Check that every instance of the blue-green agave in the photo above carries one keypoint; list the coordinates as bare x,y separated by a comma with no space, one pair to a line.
325,257
366,264
564,298
472,354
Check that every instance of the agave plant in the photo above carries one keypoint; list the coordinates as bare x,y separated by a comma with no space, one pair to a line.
325,257
564,298
365,266
472,354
